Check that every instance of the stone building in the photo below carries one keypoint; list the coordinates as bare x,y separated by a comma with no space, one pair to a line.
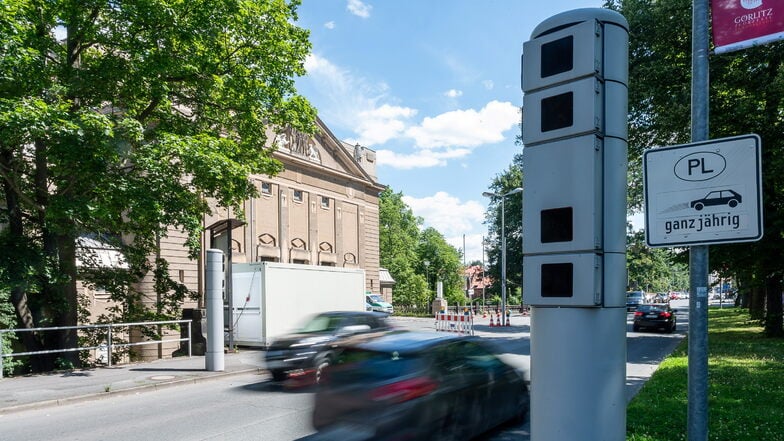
322,209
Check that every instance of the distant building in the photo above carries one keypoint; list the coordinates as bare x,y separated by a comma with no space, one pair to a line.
477,281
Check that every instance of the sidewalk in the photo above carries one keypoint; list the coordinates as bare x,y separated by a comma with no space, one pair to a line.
57,388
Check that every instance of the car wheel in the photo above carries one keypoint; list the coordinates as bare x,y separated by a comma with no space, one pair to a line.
635,328
321,364
732,203
699,206
278,375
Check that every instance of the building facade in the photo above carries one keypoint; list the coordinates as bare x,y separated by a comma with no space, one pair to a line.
322,209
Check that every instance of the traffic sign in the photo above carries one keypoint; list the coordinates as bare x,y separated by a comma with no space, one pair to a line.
704,193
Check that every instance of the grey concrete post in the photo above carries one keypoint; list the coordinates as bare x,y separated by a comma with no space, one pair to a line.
214,358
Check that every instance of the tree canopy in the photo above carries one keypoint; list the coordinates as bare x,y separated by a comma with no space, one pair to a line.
416,259
119,120
746,92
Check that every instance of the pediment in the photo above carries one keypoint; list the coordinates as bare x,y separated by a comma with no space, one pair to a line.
321,149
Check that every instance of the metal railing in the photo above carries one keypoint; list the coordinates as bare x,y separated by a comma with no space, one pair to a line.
109,343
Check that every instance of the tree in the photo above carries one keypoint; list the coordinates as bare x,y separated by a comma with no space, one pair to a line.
653,269
445,265
508,180
125,127
398,241
747,88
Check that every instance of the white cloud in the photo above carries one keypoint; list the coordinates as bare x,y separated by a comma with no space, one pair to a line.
375,118
329,25
446,213
466,128
453,218
419,159
358,8
489,84
453,93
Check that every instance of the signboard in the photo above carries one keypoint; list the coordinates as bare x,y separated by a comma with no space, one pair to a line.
738,24
704,193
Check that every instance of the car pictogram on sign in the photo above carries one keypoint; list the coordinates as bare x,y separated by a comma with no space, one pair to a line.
718,197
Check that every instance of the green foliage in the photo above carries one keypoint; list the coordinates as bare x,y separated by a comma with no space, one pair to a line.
398,238
416,260
746,96
504,182
744,386
445,265
653,269
127,127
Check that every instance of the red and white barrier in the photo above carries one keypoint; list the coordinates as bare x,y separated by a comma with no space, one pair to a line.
459,323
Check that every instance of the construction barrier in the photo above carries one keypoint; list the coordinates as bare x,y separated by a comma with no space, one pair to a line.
451,322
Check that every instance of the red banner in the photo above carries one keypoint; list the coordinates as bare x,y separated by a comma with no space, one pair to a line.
738,24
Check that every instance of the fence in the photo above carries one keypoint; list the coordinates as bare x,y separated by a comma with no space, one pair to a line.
459,323
109,344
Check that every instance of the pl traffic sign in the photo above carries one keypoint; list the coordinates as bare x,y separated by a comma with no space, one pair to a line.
704,193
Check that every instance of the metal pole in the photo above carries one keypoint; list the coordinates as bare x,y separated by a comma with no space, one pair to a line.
1,355
109,347
503,262
229,287
214,278
697,420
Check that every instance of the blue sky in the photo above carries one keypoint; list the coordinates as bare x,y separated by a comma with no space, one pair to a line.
434,87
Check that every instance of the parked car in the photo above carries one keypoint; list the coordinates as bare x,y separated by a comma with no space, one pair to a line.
418,386
378,303
659,316
311,348
634,299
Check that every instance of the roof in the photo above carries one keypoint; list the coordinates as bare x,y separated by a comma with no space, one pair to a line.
408,341
385,277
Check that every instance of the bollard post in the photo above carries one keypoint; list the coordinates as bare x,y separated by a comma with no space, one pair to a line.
214,359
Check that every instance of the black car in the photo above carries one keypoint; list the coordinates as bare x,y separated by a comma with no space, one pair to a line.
311,348
418,386
657,315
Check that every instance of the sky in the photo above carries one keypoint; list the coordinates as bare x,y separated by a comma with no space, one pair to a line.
433,86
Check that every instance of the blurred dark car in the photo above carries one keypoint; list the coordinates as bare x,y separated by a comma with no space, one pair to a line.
418,386
312,348
658,315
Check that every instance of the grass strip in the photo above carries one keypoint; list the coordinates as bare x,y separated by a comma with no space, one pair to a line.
745,386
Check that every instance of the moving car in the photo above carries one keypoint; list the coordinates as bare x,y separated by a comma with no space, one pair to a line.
378,303
634,299
311,348
658,315
719,197
418,386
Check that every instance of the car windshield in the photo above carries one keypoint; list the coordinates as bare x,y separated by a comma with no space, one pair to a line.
376,298
321,323
362,365
651,308
633,295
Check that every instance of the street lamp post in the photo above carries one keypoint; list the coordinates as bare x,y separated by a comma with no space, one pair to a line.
503,246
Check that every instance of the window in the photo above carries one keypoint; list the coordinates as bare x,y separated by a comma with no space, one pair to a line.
297,195
324,202
266,188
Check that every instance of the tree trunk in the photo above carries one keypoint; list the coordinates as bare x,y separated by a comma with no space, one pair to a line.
757,304
67,314
774,323
16,248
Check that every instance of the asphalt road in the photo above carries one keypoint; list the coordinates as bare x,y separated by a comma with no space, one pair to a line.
250,407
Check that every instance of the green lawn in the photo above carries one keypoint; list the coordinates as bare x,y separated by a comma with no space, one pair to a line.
745,387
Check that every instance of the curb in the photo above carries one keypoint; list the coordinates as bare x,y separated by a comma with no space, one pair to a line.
127,391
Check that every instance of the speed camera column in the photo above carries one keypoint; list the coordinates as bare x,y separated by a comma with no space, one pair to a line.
574,77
